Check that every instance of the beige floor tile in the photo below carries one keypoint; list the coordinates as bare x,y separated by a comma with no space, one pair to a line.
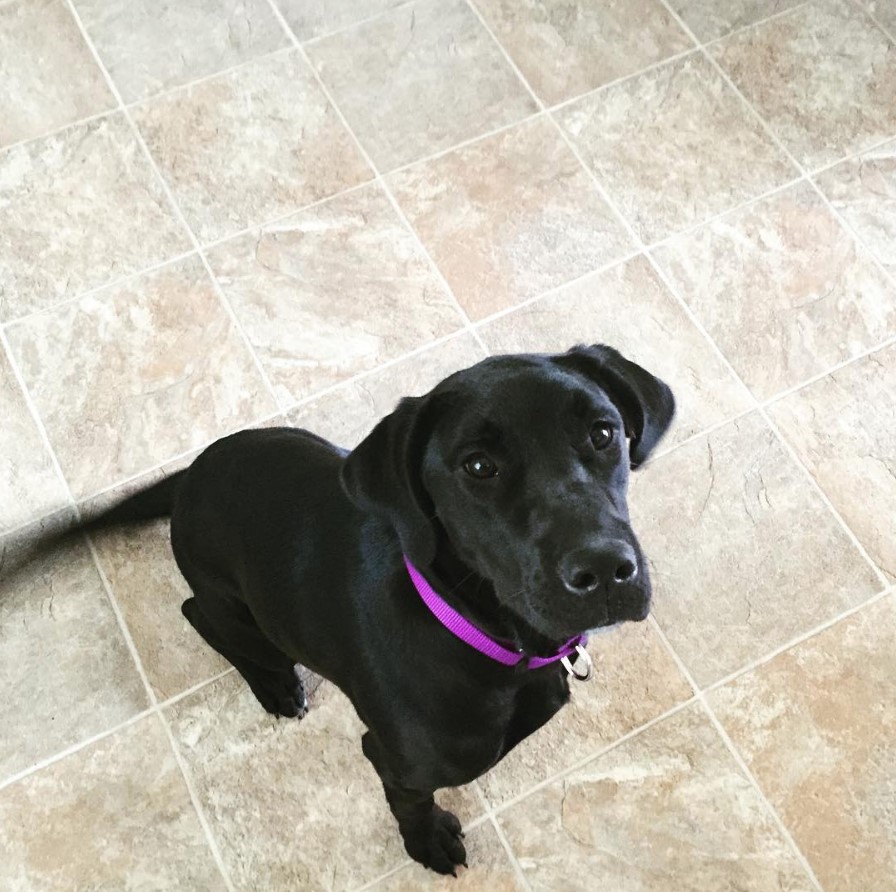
843,427
490,868
823,77
48,74
250,145
65,668
744,554
674,146
817,729
137,374
333,291
668,811
863,190
418,80
149,590
564,49
629,308
710,19
79,209
29,485
148,46
509,217
348,414
783,289
292,804
115,815
883,11
635,680
315,18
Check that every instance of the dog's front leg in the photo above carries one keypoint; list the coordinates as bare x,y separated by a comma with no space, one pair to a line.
431,835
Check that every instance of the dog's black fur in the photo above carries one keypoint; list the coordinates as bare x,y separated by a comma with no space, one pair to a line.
293,551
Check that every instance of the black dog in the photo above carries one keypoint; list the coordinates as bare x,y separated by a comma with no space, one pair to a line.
505,486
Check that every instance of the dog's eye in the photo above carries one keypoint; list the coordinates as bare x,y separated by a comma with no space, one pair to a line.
480,465
602,435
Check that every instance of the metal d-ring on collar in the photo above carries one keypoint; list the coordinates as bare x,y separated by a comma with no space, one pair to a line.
462,628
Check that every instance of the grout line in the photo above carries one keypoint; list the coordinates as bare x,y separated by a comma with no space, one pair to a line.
742,28
700,697
770,810
852,156
175,206
691,228
379,179
798,640
588,94
71,750
41,430
57,131
90,292
197,804
210,839
597,754
888,342
350,27
169,92
864,11
472,6
508,849
372,884
763,412
761,408
466,143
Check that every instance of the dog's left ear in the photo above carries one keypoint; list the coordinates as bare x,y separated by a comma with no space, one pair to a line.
383,475
645,403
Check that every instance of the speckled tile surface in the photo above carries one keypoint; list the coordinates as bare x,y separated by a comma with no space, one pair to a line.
48,74
309,289
121,801
565,49
823,77
667,811
112,373
711,19
843,429
148,47
66,671
419,80
863,191
53,243
250,145
674,146
509,217
637,199
732,541
783,289
815,725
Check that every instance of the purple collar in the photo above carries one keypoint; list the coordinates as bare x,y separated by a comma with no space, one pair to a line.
468,633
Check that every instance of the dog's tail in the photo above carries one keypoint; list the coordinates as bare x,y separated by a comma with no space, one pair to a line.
147,504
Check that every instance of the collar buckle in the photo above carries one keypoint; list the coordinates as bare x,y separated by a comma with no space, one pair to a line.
582,657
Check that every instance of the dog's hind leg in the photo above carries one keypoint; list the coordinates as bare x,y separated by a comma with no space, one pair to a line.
233,633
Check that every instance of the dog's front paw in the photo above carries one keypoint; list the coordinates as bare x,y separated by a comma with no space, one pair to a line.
436,842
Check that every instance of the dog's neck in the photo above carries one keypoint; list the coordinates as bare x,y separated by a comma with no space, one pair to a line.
474,598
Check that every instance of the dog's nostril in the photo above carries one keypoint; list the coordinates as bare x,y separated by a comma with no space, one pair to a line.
626,571
583,582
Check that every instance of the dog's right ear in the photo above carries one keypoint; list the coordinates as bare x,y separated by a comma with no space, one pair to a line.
383,475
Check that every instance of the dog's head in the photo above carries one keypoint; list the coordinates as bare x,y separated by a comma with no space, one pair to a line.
523,462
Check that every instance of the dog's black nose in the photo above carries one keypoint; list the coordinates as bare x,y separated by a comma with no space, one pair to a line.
606,564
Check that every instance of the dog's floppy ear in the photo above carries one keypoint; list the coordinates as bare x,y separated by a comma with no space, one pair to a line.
645,403
383,475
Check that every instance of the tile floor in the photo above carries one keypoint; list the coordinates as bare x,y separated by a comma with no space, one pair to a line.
223,213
